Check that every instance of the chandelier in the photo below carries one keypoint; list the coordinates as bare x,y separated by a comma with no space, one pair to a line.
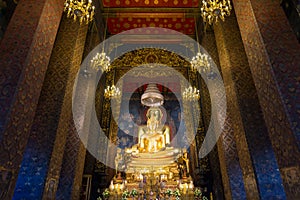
212,10
191,94
80,9
200,63
112,92
101,61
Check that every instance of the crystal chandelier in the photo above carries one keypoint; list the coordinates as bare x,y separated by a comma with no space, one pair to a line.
212,10
191,94
80,9
200,63
112,92
101,61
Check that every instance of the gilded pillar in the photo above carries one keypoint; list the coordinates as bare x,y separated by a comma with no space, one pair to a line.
25,51
86,94
256,156
92,40
67,147
232,173
221,182
97,167
102,174
274,58
195,119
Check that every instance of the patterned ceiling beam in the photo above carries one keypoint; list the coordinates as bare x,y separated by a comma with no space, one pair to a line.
195,11
150,3
177,23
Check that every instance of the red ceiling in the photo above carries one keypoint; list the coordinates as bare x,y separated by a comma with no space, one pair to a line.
125,19
150,3
174,21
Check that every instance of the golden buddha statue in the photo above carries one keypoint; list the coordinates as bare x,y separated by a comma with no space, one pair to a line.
153,136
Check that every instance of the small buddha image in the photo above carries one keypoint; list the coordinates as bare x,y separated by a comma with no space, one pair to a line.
183,164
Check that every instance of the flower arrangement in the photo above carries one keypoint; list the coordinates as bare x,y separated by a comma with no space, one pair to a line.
176,193
133,193
169,192
197,192
99,198
106,193
125,194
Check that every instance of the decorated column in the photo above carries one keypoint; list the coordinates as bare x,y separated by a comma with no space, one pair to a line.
274,59
64,65
256,155
25,50
231,171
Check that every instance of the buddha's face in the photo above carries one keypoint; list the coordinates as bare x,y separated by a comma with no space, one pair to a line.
154,114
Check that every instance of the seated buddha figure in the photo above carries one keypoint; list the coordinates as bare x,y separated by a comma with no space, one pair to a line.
153,136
